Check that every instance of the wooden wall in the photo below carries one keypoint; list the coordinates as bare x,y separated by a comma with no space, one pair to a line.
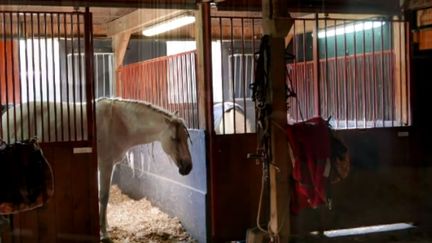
71,215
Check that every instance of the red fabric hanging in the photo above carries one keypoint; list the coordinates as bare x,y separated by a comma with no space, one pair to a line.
310,144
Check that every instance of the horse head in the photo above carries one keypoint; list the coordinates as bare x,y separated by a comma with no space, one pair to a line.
174,141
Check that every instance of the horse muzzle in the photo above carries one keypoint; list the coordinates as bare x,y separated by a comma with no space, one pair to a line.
186,169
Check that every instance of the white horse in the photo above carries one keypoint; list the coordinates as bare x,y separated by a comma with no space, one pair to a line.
120,125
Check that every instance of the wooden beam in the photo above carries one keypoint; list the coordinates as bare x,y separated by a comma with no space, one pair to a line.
276,23
139,19
119,43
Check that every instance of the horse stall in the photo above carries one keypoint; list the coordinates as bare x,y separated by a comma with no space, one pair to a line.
353,69
168,81
49,94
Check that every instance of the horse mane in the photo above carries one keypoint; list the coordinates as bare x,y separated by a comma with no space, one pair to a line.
168,114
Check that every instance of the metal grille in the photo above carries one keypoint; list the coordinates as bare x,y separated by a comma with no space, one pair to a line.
169,82
48,92
103,71
233,67
356,72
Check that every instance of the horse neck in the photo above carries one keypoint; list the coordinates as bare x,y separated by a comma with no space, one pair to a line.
141,124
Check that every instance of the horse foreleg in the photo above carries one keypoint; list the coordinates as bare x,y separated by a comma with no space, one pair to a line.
105,173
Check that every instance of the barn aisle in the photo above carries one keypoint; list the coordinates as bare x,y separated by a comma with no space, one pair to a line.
137,221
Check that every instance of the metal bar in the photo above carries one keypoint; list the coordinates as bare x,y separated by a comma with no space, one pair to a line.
382,77
374,82
233,94
188,93
346,78
34,75
54,76
392,77
74,85
40,79
355,81
5,62
327,82
294,74
13,74
364,79
243,68
407,71
317,72
303,83
198,111
80,73
46,77
335,104
88,45
67,80
222,78
60,81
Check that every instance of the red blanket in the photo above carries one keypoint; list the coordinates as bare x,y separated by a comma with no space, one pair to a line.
310,144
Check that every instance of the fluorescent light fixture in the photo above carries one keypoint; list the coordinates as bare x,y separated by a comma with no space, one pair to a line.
367,230
350,28
168,25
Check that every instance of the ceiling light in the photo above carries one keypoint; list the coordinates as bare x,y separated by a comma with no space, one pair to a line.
168,25
350,28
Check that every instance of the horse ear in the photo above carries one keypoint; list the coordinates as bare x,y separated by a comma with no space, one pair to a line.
176,113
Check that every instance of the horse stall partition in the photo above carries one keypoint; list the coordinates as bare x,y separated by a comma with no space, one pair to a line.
50,95
168,82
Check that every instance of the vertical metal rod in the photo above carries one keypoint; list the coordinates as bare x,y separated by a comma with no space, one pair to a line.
392,77
316,66
74,83
335,104
355,79
223,75
192,80
39,38
19,25
374,81
6,78
178,80
317,70
383,80
253,63
188,93
407,72
67,78
61,90
232,73
364,78
46,77
327,82
243,68
181,86
27,79
89,54
401,70
34,74
54,75
346,83
198,111
14,96
80,73
294,73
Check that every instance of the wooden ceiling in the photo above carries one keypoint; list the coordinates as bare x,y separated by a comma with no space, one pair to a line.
114,16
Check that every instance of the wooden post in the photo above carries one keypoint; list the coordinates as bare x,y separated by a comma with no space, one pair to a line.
276,24
204,71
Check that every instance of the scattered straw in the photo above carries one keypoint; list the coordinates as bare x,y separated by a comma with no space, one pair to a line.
132,221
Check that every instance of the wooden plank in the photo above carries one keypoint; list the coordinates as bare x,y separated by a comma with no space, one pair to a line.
276,24
425,39
46,214
120,43
63,183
